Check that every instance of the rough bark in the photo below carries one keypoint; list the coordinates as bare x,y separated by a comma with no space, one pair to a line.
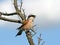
29,37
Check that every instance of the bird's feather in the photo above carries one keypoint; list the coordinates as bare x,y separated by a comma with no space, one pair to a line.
19,33
25,22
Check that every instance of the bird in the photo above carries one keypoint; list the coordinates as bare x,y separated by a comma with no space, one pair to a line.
27,24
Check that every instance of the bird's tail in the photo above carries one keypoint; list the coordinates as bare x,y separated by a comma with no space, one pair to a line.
19,33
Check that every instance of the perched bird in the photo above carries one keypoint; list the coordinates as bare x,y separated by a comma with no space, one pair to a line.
27,24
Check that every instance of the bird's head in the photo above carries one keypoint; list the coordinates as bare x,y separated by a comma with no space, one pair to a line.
31,17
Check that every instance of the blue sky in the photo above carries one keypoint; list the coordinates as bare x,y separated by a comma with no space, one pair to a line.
47,20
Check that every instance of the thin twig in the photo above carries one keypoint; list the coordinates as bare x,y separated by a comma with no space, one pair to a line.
43,43
39,39
21,5
24,13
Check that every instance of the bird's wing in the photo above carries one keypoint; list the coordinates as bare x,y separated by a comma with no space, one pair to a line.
19,33
25,22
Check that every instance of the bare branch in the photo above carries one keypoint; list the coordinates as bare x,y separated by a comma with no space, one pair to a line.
29,37
21,5
18,11
10,20
39,39
43,43
24,13
8,14
16,6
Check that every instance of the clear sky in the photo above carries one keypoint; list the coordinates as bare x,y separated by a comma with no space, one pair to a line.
47,20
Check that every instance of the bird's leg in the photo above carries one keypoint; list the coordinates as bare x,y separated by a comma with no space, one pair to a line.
27,31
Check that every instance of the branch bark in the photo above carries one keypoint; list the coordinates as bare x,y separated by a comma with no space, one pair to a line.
10,20
29,37
16,6
39,39
8,14
18,11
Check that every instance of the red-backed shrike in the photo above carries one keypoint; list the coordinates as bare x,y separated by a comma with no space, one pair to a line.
27,24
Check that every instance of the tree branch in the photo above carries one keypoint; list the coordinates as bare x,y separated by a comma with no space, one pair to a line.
24,13
16,6
8,14
18,11
21,5
43,43
29,37
10,20
39,39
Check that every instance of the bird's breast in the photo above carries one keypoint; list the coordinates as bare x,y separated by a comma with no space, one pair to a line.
28,25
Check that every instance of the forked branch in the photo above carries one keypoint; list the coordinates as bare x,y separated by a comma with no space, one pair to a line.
18,11
39,39
43,43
